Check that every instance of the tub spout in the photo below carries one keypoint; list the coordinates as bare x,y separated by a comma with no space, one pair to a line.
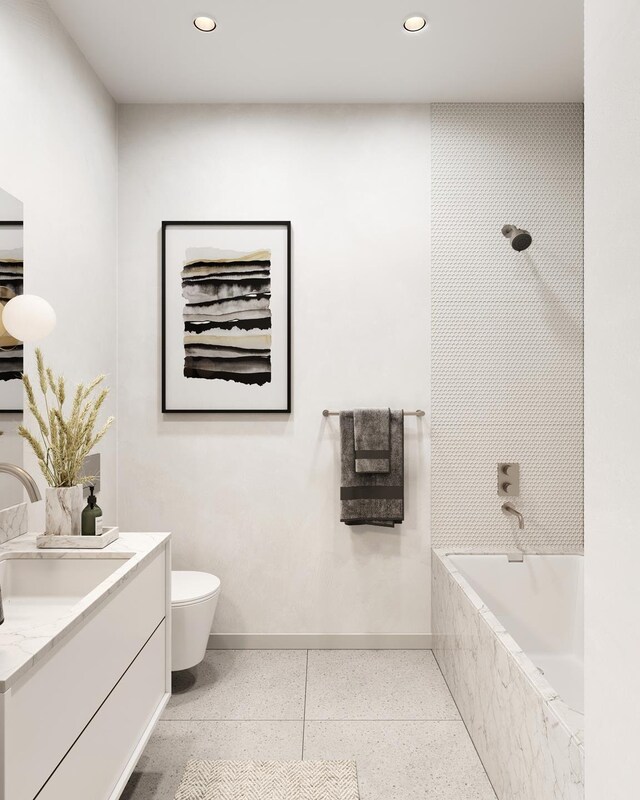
509,509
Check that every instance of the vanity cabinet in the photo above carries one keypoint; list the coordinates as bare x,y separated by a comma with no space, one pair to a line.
76,723
111,738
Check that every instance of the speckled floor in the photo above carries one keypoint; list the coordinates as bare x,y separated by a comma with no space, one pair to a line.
390,710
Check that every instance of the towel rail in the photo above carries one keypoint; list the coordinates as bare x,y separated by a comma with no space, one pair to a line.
418,413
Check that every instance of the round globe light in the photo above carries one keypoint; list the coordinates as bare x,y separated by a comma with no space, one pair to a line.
28,317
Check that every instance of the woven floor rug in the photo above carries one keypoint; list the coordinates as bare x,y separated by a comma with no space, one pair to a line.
269,780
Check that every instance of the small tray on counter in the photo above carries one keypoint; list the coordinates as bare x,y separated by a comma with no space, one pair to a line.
108,535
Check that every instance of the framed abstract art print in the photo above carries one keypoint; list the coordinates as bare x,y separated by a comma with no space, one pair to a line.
226,317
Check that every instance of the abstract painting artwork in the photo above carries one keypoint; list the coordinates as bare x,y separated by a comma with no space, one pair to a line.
11,283
226,317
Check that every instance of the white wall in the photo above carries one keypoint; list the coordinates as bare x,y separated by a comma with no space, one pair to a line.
10,207
507,326
58,154
612,395
254,498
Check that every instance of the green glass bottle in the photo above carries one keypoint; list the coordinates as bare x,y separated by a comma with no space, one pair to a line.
92,516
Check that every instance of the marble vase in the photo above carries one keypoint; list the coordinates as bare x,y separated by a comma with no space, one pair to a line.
63,511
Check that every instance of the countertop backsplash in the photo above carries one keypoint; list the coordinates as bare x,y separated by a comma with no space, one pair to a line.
13,522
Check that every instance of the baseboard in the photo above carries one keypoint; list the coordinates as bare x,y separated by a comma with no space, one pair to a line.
320,641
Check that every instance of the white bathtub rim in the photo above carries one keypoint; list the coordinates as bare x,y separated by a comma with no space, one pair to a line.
570,719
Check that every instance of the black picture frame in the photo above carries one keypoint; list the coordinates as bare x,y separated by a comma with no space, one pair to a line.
166,225
18,224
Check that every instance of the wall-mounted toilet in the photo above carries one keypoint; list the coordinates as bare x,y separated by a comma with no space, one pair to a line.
194,597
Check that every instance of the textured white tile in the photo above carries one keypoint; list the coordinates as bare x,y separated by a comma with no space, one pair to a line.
507,355
158,773
404,760
513,716
244,685
376,684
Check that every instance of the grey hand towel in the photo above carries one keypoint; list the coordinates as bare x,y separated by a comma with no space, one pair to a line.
372,499
371,435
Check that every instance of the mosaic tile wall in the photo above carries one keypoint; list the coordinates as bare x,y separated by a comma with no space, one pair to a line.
507,327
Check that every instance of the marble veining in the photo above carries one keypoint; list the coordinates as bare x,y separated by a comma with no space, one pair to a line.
21,649
530,742
64,510
13,522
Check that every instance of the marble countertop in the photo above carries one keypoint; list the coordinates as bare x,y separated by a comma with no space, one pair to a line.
22,647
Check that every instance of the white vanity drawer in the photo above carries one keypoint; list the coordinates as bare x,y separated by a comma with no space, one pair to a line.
45,712
91,769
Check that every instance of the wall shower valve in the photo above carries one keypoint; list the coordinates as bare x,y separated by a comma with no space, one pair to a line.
508,480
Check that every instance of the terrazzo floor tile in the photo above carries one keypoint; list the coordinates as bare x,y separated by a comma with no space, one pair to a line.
173,743
404,760
377,684
242,685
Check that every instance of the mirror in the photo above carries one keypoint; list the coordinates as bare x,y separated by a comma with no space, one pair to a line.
11,283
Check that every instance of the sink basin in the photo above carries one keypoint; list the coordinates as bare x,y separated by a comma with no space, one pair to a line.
38,590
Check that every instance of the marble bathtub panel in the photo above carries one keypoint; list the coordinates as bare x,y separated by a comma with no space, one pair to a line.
475,601
13,522
571,719
528,750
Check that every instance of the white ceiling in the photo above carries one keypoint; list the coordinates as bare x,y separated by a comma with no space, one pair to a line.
343,51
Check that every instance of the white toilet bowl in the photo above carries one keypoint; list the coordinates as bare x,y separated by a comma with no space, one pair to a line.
194,597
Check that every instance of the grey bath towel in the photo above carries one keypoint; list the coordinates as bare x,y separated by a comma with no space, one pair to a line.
372,439
372,498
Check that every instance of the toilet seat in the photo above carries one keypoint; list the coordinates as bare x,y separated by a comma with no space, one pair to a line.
192,587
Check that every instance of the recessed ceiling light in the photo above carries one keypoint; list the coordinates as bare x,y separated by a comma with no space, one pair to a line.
205,24
413,24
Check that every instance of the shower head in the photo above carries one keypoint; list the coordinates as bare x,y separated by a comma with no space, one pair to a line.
519,239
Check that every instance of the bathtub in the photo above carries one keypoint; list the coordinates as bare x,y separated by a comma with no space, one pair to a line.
508,637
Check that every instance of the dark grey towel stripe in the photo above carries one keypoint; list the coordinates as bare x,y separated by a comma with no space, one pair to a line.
373,453
371,492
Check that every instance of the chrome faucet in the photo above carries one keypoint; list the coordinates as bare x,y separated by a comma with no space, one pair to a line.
507,509
32,491
25,479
